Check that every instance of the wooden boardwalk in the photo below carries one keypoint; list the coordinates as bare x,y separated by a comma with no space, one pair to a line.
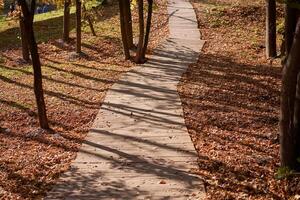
139,147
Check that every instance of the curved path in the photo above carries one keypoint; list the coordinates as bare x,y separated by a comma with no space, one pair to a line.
139,147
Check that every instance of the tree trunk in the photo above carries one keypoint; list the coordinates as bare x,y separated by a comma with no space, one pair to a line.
297,122
24,40
139,56
66,24
128,23
28,13
78,26
123,31
148,27
288,97
290,26
89,20
271,28
38,84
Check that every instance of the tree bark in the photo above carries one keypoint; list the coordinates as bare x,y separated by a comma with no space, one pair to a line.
128,23
148,27
123,31
139,55
271,28
24,40
297,122
290,26
66,21
78,26
89,20
288,99
28,13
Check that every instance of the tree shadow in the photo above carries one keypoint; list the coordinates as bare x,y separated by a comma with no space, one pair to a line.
233,108
79,186
52,79
63,97
137,172
92,179
52,25
123,149
49,29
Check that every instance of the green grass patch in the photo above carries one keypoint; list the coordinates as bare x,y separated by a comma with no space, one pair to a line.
47,26
11,72
14,72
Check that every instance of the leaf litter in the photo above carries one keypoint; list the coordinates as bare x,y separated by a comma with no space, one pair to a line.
231,100
31,159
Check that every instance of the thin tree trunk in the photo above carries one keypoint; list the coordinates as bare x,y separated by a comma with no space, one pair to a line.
148,27
123,31
28,13
271,28
89,20
66,22
297,122
288,95
78,26
24,40
139,55
38,84
128,23
290,26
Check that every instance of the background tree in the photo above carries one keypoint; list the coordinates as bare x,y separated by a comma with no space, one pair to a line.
87,17
123,29
78,26
291,15
148,27
128,23
139,55
144,34
24,39
66,21
28,8
17,16
271,28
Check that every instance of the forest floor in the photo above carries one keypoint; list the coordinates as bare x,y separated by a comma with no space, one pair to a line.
31,159
231,104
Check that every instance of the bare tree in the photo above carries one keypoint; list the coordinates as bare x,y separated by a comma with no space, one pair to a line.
66,22
290,26
24,39
28,8
271,28
128,23
143,35
148,27
78,26
123,30
87,17
139,52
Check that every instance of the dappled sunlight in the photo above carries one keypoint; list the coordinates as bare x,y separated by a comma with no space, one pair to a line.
74,89
232,117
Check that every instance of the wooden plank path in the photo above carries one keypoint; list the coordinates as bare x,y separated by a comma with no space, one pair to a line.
139,147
